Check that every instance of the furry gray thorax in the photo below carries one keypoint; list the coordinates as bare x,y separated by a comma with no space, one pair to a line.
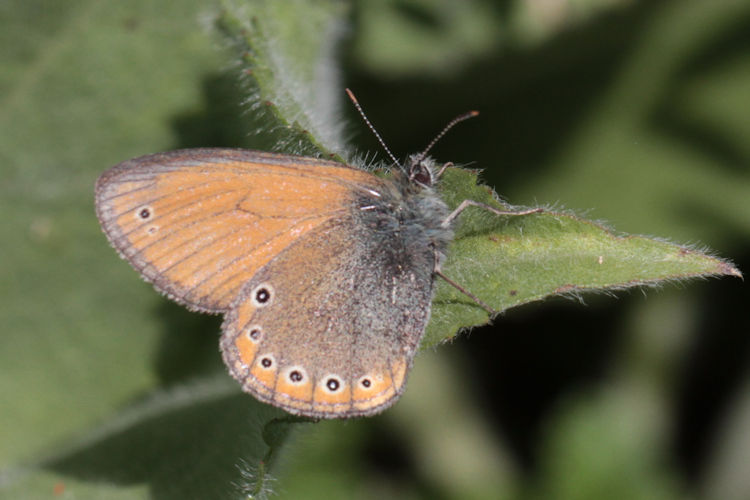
406,220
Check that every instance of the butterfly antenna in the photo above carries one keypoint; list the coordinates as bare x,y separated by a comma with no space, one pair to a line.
371,127
451,124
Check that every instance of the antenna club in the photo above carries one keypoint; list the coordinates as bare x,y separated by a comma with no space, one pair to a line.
351,96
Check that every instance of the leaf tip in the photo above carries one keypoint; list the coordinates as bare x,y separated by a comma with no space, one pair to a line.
728,269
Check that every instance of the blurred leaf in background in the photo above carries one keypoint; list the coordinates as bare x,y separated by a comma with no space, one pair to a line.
633,110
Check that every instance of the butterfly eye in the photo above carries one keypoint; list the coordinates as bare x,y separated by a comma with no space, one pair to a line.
422,175
261,295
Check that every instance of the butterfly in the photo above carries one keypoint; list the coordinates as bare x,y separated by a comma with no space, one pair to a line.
324,272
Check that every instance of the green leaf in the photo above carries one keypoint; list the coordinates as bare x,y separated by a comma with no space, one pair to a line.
508,261
286,54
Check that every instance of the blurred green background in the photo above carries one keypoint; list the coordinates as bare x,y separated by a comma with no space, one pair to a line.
636,113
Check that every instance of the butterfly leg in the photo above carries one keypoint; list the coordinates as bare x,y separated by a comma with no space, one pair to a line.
471,203
447,222
443,169
463,290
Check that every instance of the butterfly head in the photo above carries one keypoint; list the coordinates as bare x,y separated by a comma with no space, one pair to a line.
421,171
419,168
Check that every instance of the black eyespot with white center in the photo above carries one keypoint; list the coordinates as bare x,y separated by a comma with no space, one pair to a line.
262,295
295,375
366,383
254,333
266,362
333,384
144,213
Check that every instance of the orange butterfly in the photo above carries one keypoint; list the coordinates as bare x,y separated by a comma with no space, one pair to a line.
324,272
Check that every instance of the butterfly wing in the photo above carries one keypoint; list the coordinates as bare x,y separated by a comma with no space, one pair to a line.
199,223
329,327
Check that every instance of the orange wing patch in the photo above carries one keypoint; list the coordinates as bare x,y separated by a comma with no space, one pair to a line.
325,400
198,224
372,391
294,389
247,348
263,376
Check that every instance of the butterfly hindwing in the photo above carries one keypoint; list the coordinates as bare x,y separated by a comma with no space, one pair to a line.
331,325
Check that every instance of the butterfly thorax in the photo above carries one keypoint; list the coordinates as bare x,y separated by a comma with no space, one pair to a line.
409,214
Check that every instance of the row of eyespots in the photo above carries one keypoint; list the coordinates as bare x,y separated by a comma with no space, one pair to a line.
261,296
297,375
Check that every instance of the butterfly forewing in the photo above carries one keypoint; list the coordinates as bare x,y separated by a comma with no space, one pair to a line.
199,223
